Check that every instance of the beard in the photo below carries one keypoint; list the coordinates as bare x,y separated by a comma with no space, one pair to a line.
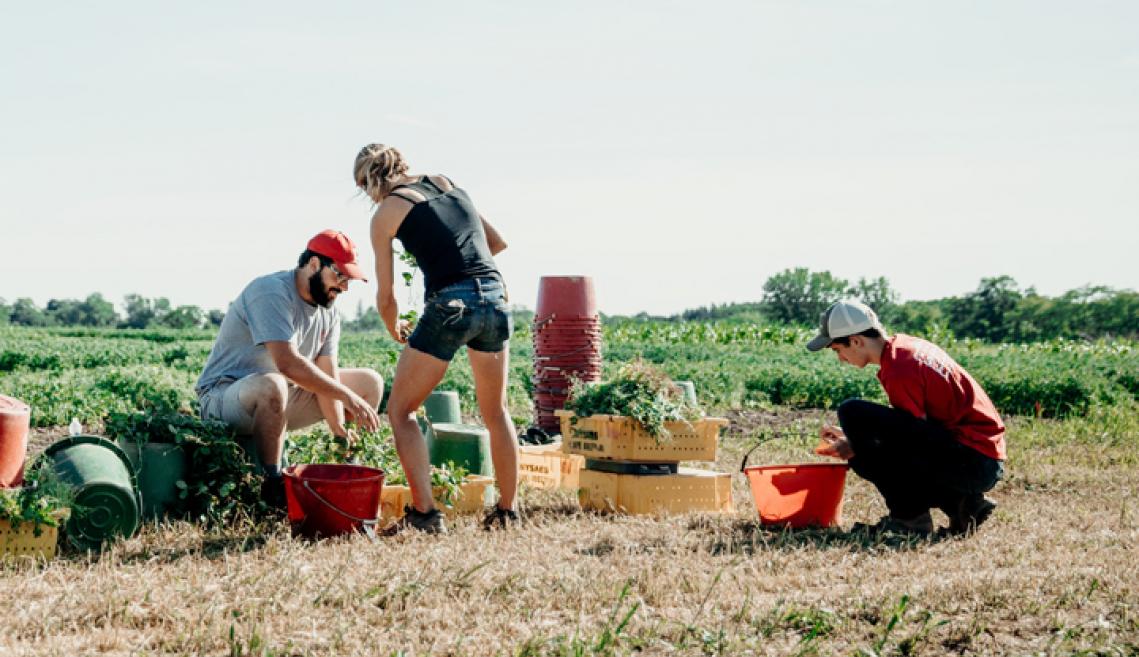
319,292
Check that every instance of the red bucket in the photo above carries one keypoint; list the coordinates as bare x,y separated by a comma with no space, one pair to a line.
15,419
800,495
330,499
566,296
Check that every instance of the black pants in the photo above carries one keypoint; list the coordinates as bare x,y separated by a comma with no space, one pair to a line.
914,463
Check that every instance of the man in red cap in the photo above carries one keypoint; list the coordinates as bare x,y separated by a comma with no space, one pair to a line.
274,364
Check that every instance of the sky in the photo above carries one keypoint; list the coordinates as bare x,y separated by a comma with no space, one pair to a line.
679,153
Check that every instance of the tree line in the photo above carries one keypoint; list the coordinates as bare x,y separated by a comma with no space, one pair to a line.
141,313
998,310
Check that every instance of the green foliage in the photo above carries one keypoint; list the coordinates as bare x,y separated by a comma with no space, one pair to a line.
799,296
639,391
42,500
374,449
221,482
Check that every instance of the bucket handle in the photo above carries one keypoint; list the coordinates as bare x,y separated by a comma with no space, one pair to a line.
369,525
763,438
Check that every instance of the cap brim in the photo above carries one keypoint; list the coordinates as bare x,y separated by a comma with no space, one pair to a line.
820,341
351,270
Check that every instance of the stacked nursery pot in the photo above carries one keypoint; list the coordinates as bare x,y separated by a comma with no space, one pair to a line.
567,343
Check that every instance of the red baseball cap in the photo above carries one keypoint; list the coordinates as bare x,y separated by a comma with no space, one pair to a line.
336,245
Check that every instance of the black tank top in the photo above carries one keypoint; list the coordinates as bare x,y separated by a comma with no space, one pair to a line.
446,236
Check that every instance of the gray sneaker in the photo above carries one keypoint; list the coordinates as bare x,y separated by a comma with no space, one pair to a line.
969,512
430,522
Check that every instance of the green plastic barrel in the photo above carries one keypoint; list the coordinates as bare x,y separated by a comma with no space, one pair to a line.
464,444
159,467
442,407
107,503
427,431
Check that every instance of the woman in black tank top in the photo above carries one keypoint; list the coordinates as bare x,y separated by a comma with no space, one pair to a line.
465,305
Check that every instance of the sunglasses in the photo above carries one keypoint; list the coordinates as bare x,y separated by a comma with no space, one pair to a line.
340,277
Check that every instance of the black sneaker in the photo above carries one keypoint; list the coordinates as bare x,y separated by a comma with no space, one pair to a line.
273,493
500,518
921,525
968,514
430,522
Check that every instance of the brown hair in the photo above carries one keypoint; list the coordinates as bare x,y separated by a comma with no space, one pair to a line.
868,333
377,168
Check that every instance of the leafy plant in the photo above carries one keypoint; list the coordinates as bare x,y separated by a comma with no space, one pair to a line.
639,391
221,482
408,276
374,449
43,500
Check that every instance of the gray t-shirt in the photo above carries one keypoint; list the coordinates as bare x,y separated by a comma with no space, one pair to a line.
269,309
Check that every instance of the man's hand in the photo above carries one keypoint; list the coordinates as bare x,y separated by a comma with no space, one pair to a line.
834,443
345,438
361,411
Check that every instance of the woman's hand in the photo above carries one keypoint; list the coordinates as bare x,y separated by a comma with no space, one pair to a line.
401,332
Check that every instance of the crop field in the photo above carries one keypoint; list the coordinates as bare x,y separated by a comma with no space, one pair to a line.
1053,573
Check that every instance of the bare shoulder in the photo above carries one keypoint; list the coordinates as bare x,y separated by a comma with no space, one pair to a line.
389,215
442,182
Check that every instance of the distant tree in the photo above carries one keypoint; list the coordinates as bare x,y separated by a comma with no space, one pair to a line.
97,311
93,311
988,312
143,312
917,317
748,310
182,317
876,293
214,317
800,296
5,312
64,312
24,312
367,319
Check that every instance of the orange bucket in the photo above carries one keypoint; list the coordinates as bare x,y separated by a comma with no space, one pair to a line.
330,499
798,495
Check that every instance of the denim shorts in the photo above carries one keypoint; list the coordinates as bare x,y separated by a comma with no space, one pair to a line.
471,312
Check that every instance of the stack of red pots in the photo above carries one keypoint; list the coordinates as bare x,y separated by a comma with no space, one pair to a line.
567,343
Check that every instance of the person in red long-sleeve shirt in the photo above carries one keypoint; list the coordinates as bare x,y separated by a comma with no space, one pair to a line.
940,443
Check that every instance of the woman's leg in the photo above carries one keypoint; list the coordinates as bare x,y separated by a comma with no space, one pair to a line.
490,369
416,375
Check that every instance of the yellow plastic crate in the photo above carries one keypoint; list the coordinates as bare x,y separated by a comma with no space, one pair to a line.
539,469
615,437
471,499
23,543
687,490
548,467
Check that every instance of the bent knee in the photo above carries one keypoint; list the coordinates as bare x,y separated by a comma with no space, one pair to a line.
270,390
851,410
368,384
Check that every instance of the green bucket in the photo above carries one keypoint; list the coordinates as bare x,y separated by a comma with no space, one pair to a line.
464,444
687,390
107,503
442,407
160,466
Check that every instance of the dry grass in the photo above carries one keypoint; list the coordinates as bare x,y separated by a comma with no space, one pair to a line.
1054,572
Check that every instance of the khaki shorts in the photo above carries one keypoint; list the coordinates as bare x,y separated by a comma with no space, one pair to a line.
223,402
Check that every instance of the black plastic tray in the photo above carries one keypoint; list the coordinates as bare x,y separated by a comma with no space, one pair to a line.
631,467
